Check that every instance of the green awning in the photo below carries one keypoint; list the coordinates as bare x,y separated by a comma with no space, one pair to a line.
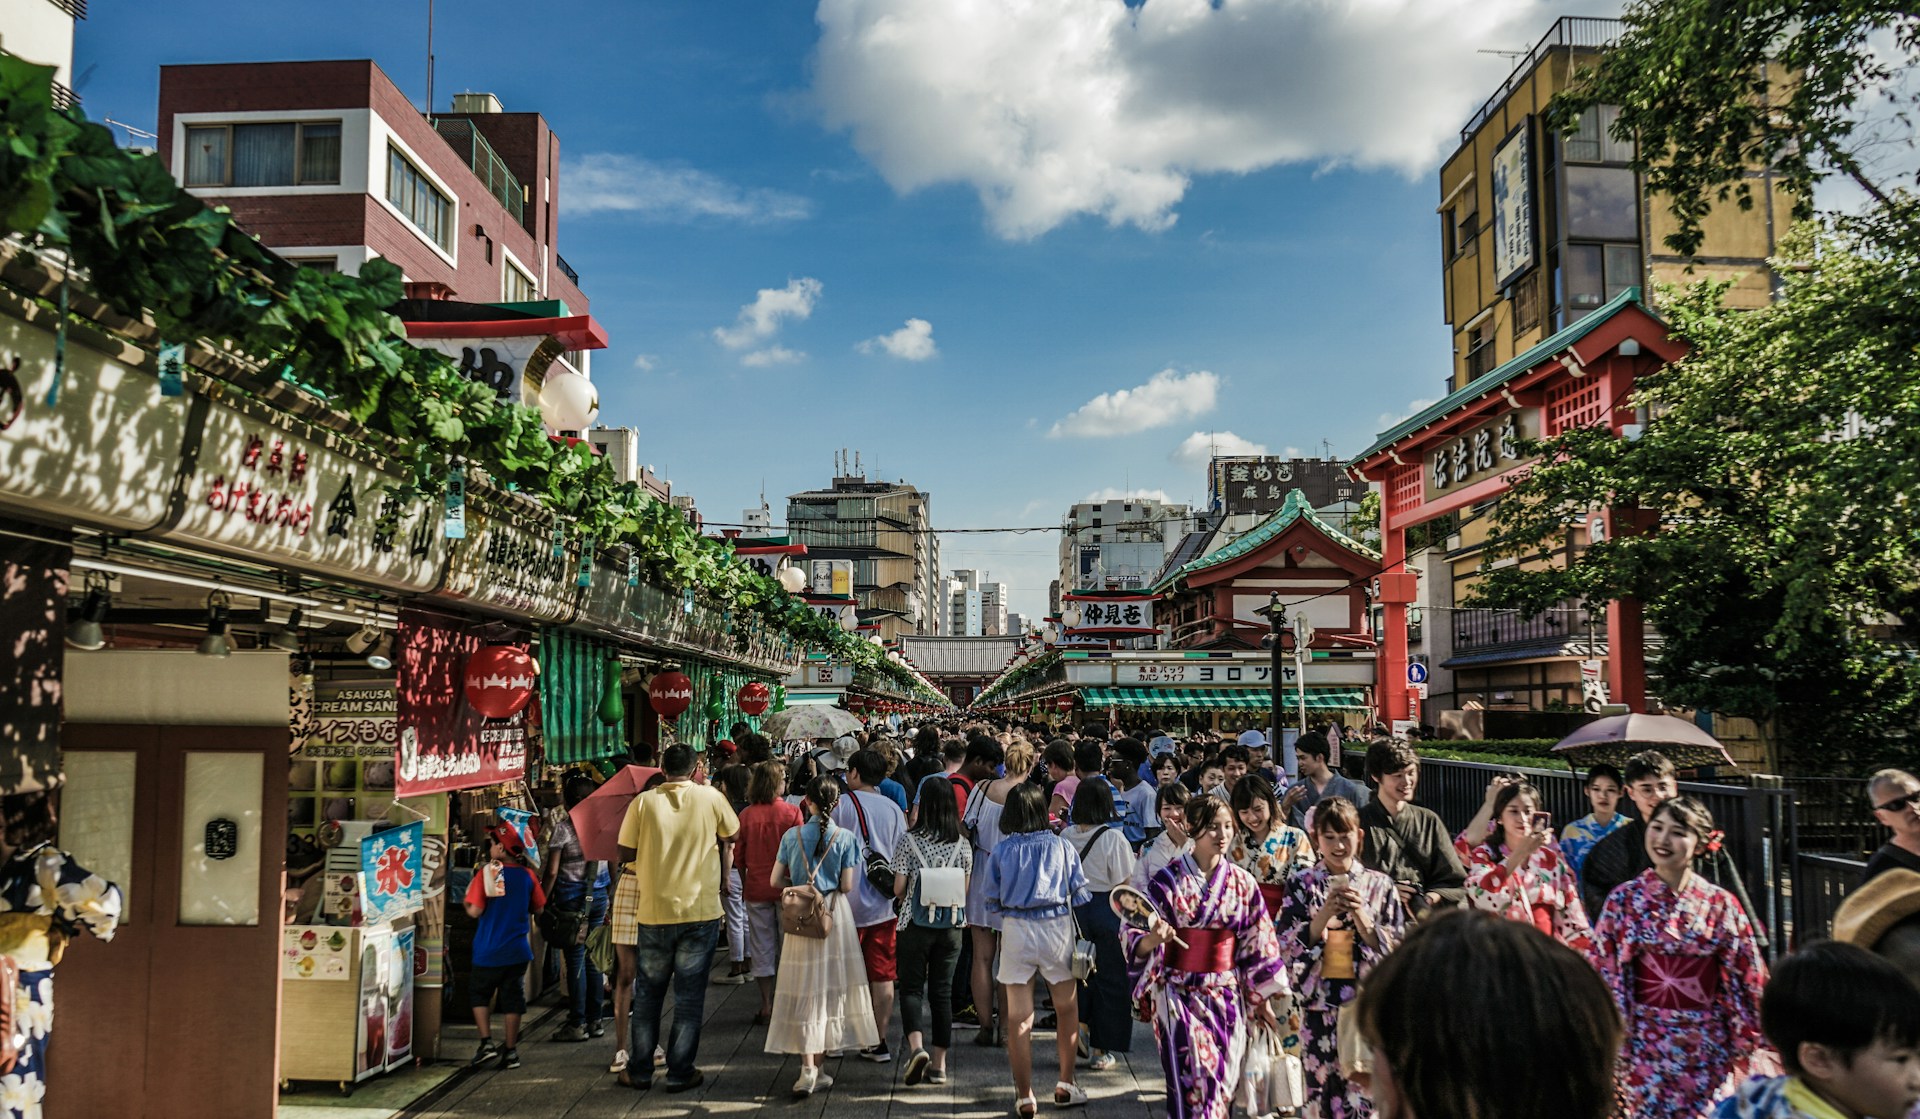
1226,699
575,672
803,699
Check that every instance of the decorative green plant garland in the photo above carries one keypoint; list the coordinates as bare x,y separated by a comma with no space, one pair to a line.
152,250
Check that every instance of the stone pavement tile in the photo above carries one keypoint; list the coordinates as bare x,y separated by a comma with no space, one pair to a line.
570,1081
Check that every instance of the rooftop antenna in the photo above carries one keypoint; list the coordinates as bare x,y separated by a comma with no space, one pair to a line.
1508,55
429,61
131,130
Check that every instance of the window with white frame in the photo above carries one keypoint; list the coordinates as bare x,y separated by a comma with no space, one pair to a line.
516,286
430,211
305,153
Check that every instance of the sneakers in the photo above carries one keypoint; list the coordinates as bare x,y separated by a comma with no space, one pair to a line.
596,1028
811,1080
878,1054
572,1032
967,1016
917,1066
487,1052
1105,1062
619,1061
936,1076
510,1058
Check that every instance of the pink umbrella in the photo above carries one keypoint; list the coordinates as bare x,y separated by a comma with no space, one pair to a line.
1618,737
597,818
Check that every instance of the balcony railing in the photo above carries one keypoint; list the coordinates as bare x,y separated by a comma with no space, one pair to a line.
75,8
463,137
567,269
1481,630
1574,32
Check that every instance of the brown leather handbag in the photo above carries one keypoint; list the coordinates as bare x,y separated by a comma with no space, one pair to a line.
803,908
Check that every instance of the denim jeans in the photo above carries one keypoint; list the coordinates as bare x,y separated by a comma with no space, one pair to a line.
584,982
927,959
677,954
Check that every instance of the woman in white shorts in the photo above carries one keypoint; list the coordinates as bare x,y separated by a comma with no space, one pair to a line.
982,820
1034,880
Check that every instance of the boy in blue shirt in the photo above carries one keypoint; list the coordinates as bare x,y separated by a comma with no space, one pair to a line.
1846,1024
501,950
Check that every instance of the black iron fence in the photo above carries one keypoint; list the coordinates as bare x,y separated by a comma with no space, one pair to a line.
1819,884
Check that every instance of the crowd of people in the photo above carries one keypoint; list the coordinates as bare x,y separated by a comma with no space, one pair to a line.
1292,942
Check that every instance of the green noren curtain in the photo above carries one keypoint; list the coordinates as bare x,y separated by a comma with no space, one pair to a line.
573,680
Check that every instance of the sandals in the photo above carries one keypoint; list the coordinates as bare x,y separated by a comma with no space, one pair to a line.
1026,1106
1069,1095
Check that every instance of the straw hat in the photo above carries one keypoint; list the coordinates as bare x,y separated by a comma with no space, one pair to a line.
1867,913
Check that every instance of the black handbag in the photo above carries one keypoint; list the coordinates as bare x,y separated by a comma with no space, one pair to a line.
878,867
561,927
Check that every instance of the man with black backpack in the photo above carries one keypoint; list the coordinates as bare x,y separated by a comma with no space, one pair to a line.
877,822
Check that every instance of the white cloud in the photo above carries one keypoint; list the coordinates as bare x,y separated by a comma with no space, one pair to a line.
1112,493
1291,452
912,342
1200,447
1167,397
645,363
1388,419
1053,109
611,183
760,319
772,355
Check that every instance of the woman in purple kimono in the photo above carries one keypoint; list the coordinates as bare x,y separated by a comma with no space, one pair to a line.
1332,938
1226,956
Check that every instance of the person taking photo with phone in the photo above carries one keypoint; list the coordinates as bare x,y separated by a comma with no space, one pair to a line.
1516,870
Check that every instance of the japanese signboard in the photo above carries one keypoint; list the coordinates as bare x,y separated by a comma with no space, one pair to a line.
444,743
501,363
1513,223
265,486
1261,485
392,877
830,577
512,564
104,452
1134,615
1480,453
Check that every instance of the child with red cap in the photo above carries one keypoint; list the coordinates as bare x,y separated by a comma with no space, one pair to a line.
503,897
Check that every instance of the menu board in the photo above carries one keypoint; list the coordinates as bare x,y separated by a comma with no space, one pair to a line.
315,952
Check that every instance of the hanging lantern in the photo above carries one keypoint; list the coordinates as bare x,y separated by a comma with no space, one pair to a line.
613,706
793,580
752,699
568,401
716,708
1064,704
779,697
498,680
670,693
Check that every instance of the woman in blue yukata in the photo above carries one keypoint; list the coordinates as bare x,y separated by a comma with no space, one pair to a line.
45,899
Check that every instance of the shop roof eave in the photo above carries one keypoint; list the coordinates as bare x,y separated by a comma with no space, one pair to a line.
1487,382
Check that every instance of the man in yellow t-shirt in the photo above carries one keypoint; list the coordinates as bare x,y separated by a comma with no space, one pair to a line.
677,842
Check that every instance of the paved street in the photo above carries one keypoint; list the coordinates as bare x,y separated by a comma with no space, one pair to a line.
571,1080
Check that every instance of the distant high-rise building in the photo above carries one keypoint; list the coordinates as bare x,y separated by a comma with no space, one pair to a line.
1017,624
993,609
1121,543
885,528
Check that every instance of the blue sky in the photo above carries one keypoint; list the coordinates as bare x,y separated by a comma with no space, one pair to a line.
1225,211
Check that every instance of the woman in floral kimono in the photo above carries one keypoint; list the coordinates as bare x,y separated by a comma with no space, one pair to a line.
1274,852
1225,955
1332,938
1679,956
45,899
1518,871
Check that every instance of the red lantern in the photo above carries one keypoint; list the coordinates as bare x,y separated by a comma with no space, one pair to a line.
1064,703
670,693
753,699
498,680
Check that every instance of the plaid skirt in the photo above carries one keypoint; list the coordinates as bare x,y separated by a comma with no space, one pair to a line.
625,915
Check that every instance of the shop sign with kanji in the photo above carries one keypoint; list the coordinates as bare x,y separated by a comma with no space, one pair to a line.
392,875
1133,615
1481,452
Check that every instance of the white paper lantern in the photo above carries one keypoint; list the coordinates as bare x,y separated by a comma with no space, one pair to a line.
568,401
792,579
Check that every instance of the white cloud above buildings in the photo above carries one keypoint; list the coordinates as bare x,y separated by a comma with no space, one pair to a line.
912,342
1168,397
612,183
1093,107
759,321
1202,446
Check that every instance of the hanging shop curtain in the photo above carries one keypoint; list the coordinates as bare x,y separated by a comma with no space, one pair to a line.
576,674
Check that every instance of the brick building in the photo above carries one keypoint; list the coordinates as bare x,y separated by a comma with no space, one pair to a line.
329,164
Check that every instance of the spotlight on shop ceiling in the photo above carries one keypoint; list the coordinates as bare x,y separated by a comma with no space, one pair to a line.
287,638
215,643
373,645
84,631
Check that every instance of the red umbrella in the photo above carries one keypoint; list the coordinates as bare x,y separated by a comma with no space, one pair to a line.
597,818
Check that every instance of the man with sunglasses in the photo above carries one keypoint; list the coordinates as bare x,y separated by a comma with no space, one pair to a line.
1895,796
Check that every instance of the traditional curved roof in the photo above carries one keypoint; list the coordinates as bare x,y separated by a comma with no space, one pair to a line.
1296,510
959,656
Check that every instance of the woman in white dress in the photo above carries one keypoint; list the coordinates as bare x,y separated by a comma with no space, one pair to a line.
820,998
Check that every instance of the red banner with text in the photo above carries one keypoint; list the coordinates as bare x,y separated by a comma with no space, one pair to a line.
445,743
